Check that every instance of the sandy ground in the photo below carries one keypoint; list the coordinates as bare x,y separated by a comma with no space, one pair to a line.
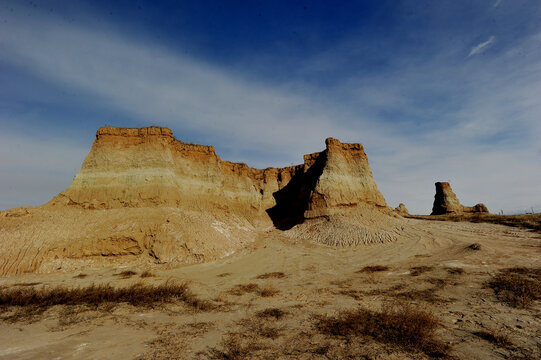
318,280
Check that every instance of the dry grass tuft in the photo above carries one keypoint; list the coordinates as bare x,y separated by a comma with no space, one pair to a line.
241,289
495,337
80,276
399,324
233,347
518,287
418,270
126,274
275,313
474,246
146,274
223,274
272,275
268,291
34,301
373,268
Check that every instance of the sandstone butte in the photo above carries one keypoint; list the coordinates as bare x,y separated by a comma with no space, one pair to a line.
402,210
446,202
143,196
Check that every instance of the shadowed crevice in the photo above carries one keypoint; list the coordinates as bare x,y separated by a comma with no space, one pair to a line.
292,200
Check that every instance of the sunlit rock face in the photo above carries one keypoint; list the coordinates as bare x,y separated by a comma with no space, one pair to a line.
143,196
446,202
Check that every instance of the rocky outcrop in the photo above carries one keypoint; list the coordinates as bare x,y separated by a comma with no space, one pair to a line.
143,196
446,202
401,210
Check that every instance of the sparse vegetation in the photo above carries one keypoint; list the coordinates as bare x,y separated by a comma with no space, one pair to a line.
272,275
474,246
126,274
241,289
496,337
373,268
223,274
398,324
80,276
268,291
518,287
524,221
234,348
146,274
35,300
418,270
275,313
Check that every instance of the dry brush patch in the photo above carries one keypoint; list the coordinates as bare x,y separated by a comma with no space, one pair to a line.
518,287
241,289
524,221
398,324
31,301
373,268
126,274
418,270
272,275
146,274
496,337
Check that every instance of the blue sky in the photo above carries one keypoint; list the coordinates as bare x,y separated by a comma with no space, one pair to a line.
434,90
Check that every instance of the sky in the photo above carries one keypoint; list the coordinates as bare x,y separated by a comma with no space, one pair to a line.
434,90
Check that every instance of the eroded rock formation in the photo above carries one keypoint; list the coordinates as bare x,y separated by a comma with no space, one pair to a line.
401,210
143,196
446,202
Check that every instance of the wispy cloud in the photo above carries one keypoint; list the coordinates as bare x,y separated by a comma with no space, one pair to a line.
421,120
497,3
481,47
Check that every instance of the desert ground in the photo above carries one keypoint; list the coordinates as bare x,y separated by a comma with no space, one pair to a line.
458,290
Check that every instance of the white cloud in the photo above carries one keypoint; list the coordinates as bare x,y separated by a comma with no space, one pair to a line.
481,47
497,3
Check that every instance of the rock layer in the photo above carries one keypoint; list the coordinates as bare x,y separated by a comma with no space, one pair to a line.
446,202
143,196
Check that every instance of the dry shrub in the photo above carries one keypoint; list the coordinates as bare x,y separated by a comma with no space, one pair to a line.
519,287
40,299
418,270
126,274
399,324
241,289
271,313
80,276
474,246
233,347
373,268
495,337
268,291
146,274
272,275
455,271
223,274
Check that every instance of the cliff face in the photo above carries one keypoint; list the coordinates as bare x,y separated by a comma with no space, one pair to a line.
149,167
143,196
446,202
